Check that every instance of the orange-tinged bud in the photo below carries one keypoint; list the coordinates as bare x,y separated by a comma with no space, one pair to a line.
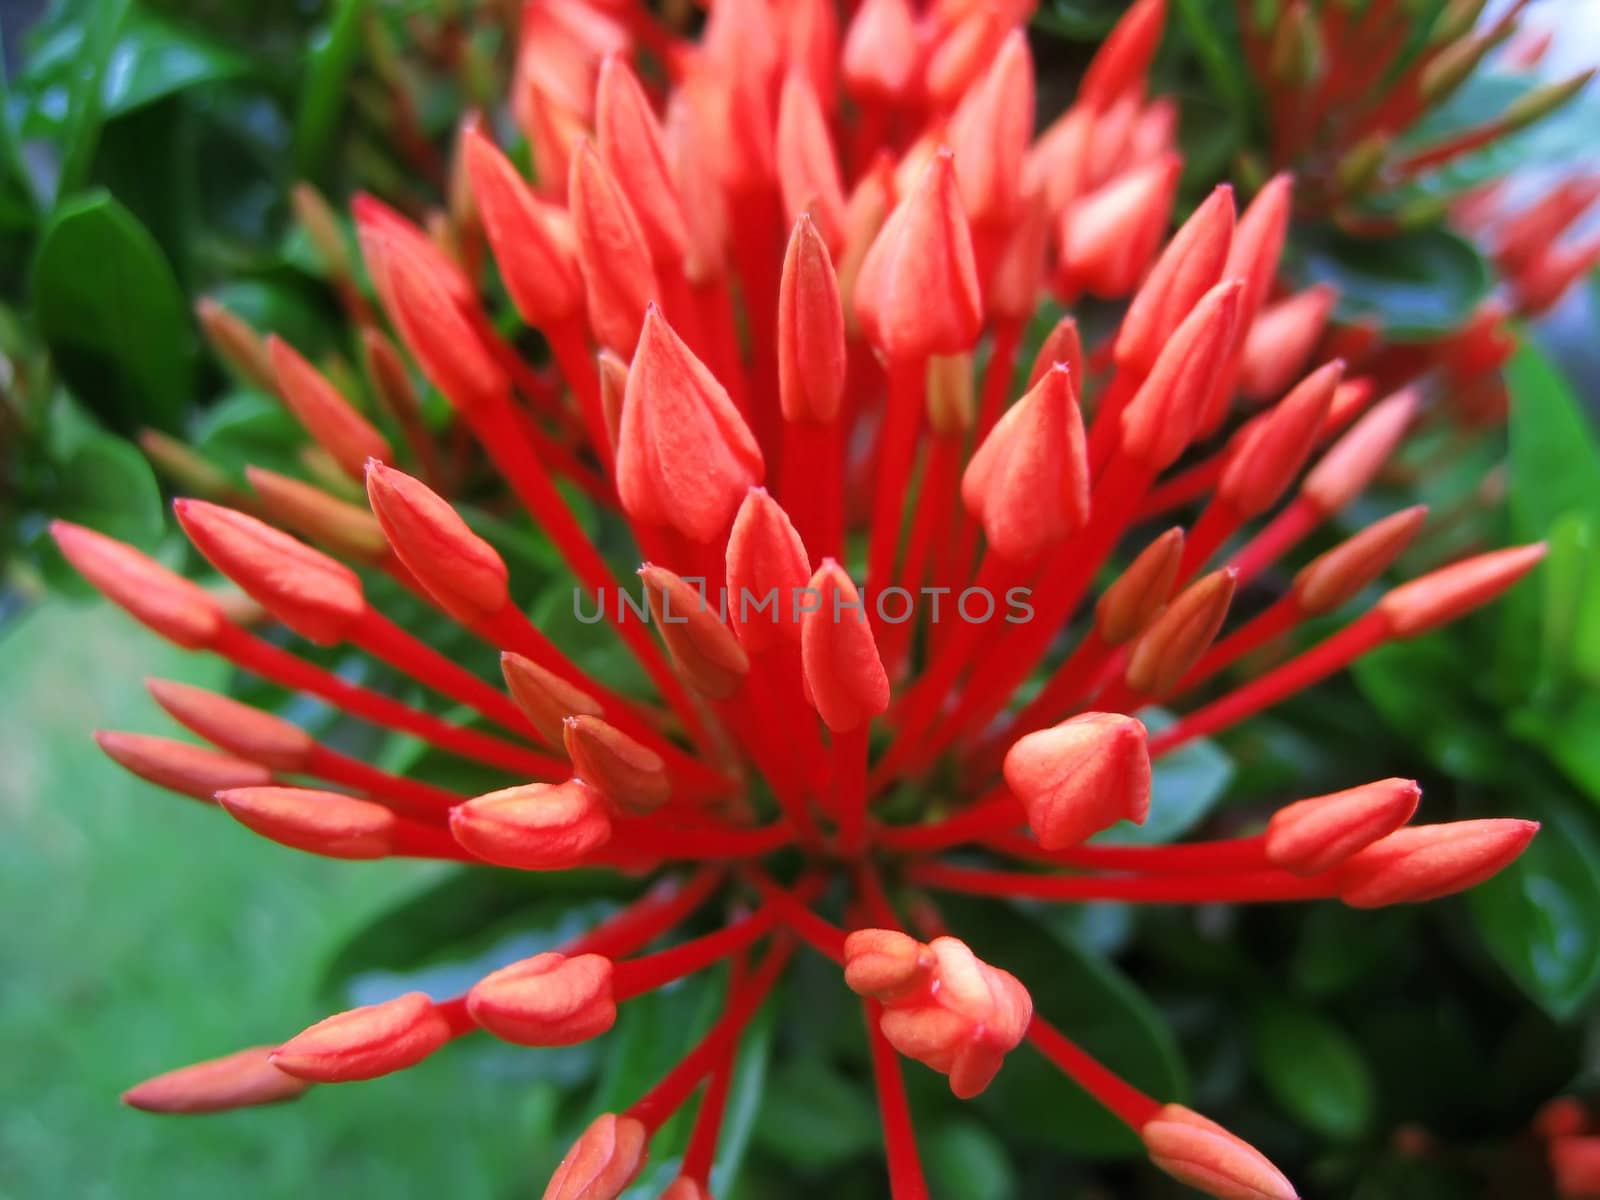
917,292
881,50
1575,1162
811,344
1062,344
613,374
767,568
236,727
532,240
990,131
196,771
1258,244
544,697
1425,862
534,826
1441,596
546,1000
242,1079
685,458
316,596
1109,236
843,671
1204,1155
1281,340
1161,419
327,823
886,964
1128,606
1120,65
327,416
316,216
183,466
1028,483
440,337
1270,453
1350,464
704,651
602,1162
633,148
1190,266
1018,278
387,238
461,571
1337,576
1316,835
177,608
240,346
1081,776
612,251
344,528
808,169
632,776
364,1043
1177,638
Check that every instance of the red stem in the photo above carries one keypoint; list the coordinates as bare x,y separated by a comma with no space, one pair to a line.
1241,887
821,935
636,976
899,1137
569,343
1119,1097
1188,858
1276,538
849,753
897,451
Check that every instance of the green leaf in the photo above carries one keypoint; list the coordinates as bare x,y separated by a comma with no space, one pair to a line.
111,312
1423,689
1417,284
965,1161
1537,915
1555,462
814,1118
1211,32
1566,732
323,95
1313,1069
154,57
86,94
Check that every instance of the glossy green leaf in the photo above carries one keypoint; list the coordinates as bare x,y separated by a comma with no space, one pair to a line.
1555,459
1424,690
815,1118
85,93
323,93
154,57
1313,1069
965,1161
1417,284
113,316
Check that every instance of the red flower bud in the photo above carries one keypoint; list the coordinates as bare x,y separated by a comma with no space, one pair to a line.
808,169
238,728
235,342
1081,776
1281,339
178,609
366,1042
443,341
196,771
1271,451
602,1162
1163,415
618,274
1177,638
463,573
1061,345
843,671
534,826
1425,862
1190,266
1344,471
1018,278
1120,65
917,292
1316,835
765,558
314,595
990,131
1258,244
1109,236
1575,1162
342,527
881,50
327,823
1336,577
1139,594
544,697
685,457
1565,1116
242,1079
633,148
327,416
1450,592
704,651
1028,483
613,389
546,1000
632,776
1204,1155
886,964
811,345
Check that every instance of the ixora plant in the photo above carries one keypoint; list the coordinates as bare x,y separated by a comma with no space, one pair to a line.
820,761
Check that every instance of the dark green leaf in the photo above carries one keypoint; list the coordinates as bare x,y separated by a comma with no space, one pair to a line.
814,1118
154,57
108,485
1313,1069
1423,690
323,95
964,1161
1416,284
1555,463
86,93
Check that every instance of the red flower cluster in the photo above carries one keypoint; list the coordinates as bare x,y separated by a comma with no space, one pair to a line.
780,268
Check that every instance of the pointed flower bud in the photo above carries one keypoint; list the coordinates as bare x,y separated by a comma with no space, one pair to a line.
767,569
1109,237
634,149
1350,464
808,169
316,216
327,823
327,416
1017,281
349,531
602,1162
534,826
1028,483
1441,596
364,1043
618,274
632,776
236,343
1163,415
239,728
1081,776
917,293
887,965
990,132
811,344
613,389
1281,340
1316,835
183,466
440,337
532,241
1190,266
1062,344
242,1079
177,608
1204,1155
196,771
843,671
685,458
1139,594
461,571
881,50
316,596
544,697
1179,636
1337,576
546,1000
1120,65
1426,862
704,651
1271,452
1258,244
